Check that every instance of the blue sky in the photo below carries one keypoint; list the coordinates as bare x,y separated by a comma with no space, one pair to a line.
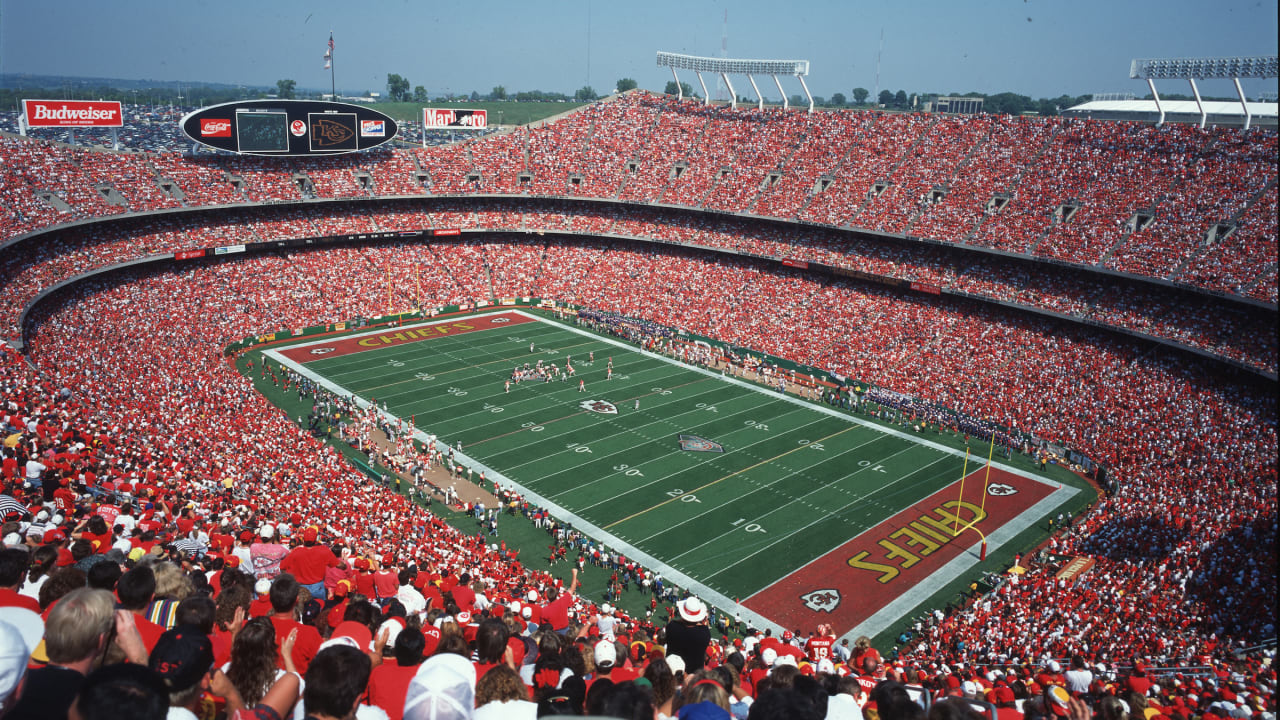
1041,48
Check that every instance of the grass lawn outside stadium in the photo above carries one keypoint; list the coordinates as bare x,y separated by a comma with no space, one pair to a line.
801,512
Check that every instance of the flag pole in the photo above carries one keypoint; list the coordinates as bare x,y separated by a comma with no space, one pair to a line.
333,83
986,482
965,471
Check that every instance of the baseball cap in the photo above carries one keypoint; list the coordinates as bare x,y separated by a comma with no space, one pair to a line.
181,657
266,531
310,535
676,663
442,689
768,656
352,633
606,653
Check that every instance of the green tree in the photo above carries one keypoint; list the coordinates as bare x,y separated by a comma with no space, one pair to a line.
285,88
838,100
397,88
625,84
886,97
475,96
498,93
671,89
860,95
900,99
419,94
586,93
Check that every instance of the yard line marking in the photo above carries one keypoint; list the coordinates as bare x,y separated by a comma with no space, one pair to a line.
726,477
770,484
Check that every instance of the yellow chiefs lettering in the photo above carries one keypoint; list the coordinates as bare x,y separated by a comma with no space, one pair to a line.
905,546
410,335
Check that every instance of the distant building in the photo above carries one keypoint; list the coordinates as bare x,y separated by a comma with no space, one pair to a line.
958,105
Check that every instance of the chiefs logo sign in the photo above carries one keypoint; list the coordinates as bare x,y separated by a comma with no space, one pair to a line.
322,351
600,406
821,600
1001,489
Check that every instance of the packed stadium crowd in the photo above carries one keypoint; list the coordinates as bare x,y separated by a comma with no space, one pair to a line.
159,482
1155,201
1238,333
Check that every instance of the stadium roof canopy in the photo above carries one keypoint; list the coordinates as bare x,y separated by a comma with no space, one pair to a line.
1179,111
726,66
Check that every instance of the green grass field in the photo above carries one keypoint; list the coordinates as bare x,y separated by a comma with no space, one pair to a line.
793,480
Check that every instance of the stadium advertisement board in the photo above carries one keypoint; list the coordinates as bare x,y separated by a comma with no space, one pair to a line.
73,113
289,128
455,119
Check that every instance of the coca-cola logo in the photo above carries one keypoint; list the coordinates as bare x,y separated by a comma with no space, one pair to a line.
215,127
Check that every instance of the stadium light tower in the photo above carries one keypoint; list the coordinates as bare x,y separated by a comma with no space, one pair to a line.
724,67
1228,68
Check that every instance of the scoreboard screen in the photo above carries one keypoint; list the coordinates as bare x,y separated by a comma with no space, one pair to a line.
262,132
289,127
455,119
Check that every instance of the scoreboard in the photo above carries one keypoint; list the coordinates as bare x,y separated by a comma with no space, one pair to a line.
289,127
453,119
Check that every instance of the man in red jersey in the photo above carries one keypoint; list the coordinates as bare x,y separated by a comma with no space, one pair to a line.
389,683
820,645
284,598
309,561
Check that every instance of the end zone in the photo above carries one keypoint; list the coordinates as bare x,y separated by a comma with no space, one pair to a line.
907,557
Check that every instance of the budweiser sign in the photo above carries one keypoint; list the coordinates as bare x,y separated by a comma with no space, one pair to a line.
73,113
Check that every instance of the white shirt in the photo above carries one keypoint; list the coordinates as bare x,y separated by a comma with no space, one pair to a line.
507,710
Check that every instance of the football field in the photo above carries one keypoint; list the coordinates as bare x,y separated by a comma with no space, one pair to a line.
786,511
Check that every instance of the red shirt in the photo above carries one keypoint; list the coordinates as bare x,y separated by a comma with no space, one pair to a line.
12,598
386,583
308,563
304,648
465,597
557,613
149,631
820,648
389,686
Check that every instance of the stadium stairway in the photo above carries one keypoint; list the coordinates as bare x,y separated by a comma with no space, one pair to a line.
960,166
1011,191
1206,244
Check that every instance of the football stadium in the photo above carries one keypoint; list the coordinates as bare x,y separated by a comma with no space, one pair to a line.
749,410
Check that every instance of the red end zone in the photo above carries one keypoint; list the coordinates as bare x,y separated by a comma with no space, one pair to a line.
401,336
852,582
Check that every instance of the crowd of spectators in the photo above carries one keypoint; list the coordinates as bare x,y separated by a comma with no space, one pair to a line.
1238,333
1132,197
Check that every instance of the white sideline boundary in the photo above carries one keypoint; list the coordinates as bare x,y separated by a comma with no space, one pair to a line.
878,622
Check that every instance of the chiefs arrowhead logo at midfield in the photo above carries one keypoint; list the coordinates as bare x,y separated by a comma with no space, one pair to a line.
322,351
599,406
821,600
1000,489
